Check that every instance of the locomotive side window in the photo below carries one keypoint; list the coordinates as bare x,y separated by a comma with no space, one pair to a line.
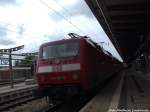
62,50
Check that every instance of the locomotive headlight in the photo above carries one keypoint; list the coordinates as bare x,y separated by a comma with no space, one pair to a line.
75,76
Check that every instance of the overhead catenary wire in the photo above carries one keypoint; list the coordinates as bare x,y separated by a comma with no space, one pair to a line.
13,25
67,11
24,34
28,32
70,13
62,16
33,34
53,11
109,27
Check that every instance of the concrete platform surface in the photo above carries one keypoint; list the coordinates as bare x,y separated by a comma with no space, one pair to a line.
130,93
107,97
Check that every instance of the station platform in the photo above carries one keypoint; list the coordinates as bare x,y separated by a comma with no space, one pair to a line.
128,92
20,86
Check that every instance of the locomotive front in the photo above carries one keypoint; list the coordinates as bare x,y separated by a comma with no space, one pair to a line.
58,67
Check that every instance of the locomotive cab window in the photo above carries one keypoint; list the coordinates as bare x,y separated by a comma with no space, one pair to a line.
62,50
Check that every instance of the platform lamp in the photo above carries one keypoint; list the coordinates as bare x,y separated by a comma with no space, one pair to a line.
8,52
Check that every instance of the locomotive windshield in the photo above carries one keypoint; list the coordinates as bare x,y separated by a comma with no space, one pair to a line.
62,50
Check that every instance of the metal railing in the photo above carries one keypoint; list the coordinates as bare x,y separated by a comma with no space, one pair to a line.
20,62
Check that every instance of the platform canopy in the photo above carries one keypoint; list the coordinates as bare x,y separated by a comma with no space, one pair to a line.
126,22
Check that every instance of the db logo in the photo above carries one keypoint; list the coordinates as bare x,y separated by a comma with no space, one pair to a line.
56,68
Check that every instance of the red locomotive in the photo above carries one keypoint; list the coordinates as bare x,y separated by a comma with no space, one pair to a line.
72,66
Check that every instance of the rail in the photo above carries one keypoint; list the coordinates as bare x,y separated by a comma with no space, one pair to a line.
6,83
52,108
14,98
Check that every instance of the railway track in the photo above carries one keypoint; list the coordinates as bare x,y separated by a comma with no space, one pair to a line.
16,98
69,105
8,83
52,108
75,103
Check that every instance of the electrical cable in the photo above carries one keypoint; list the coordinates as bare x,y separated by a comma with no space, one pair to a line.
61,16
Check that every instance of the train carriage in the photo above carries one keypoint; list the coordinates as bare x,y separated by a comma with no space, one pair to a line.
71,66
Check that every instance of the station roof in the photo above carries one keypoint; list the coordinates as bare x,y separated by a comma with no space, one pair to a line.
126,22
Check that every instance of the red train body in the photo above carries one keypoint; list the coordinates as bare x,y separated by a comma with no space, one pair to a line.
71,66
